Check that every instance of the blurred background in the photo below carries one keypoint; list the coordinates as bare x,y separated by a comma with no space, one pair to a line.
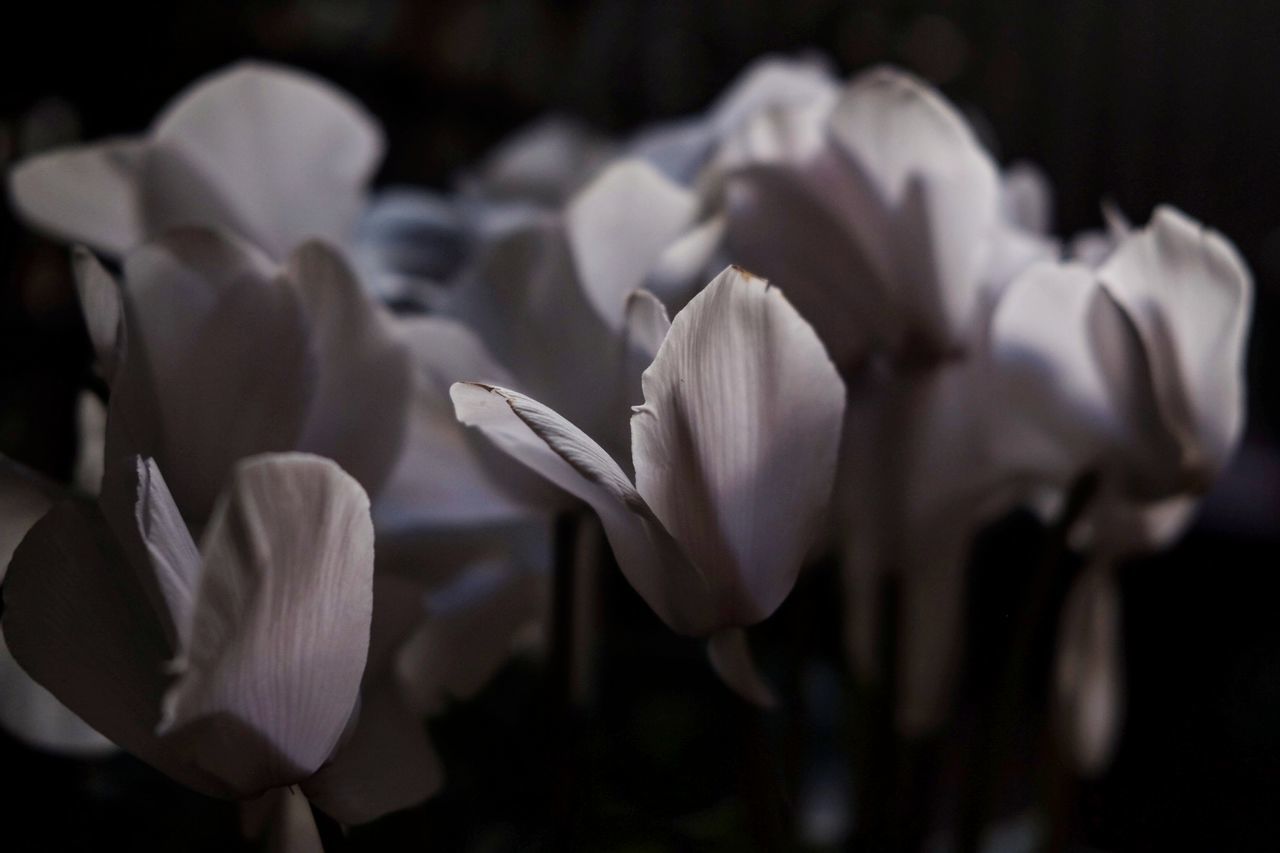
1136,101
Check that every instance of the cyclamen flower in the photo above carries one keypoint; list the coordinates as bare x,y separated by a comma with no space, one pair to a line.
234,668
273,155
1132,371
734,450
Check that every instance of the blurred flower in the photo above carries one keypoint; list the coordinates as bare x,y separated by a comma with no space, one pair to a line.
734,451
1133,370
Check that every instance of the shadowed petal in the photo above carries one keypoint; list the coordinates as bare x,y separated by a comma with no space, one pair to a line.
280,625
730,656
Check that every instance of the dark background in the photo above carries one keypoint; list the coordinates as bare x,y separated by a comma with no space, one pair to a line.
1139,101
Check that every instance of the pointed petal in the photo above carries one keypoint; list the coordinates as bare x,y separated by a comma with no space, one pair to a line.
209,332
84,194
386,765
646,326
1089,671
538,437
280,821
1189,296
735,445
280,625
361,404
618,226
286,157
731,658
937,192
77,621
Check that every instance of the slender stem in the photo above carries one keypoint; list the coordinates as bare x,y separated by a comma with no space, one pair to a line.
990,741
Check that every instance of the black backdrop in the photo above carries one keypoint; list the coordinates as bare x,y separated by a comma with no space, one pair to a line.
1139,101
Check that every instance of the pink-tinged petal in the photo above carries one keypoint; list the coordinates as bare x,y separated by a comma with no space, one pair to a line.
386,765
283,157
78,622
618,227
1189,296
100,302
279,633
548,444
86,194
359,411
735,445
730,656
933,197
1089,671
209,331
469,632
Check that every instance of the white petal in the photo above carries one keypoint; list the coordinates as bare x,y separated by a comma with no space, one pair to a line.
545,161
731,658
1089,670
79,623
359,411
1026,198
1189,296
91,436
735,445
652,563
617,228
937,194
469,633
286,155
447,474
84,194
209,333
386,765
646,326
100,301
280,625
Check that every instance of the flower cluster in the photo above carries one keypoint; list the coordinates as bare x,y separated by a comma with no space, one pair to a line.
818,321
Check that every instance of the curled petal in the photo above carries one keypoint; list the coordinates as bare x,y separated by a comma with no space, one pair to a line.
735,445
1189,296
547,443
279,632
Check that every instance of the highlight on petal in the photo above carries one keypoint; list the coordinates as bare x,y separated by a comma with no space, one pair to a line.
1089,671
84,194
730,656
618,226
283,154
270,672
735,445
937,193
1189,296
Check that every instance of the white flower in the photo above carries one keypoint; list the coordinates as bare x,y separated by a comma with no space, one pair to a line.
234,668
270,154
734,451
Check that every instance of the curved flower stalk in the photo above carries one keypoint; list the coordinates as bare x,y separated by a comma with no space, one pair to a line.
244,674
734,450
1133,370
27,710
271,154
